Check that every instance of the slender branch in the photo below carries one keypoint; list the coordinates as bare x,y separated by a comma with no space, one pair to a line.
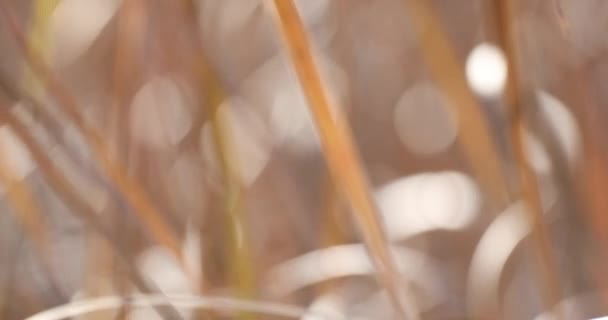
341,156
448,73
28,213
69,195
240,255
134,194
548,270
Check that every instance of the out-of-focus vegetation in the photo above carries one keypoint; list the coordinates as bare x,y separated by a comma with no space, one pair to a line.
303,159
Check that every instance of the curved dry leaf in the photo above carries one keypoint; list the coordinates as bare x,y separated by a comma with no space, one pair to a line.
563,123
351,301
327,306
491,254
537,156
341,261
186,302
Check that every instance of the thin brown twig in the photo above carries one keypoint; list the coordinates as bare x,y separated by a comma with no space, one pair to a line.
448,72
8,285
28,212
240,254
83,210
134,194
593,175
341,156
548,270
131,16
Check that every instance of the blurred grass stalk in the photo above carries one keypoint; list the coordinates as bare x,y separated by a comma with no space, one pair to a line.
339,148
133,193
241,259
27,212
240,255
341,156
547,268
448,73
83,210
37,38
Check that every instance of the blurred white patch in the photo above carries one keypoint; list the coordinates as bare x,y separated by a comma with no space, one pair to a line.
328,306
340,261
191,249
537,156
486,70
75,24
159,115
378,305
15,155
492,252
540,162
562,123
423,122
82,295
245,136
423,202
275,89
292,122
161,268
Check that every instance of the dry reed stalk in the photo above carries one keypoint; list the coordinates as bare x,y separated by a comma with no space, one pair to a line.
83,210
592,177
240,256
241,266
589,180
42,11
131,17
28,213
6,291
332,232
448,72
548,269
341,157
134,194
